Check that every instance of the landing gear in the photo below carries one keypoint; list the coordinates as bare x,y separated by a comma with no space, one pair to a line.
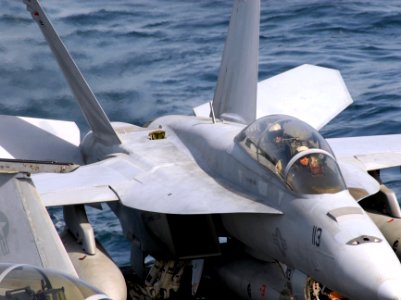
315,291
163,280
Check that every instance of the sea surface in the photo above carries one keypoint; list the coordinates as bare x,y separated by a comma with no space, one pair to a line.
147,58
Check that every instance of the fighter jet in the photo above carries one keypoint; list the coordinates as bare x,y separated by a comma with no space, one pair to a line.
248,179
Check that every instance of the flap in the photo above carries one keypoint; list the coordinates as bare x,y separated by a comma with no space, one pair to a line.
80,195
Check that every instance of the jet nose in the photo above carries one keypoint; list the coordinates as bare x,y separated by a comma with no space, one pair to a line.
389,290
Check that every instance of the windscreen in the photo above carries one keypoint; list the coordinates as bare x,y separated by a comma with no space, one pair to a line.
275,140
314,172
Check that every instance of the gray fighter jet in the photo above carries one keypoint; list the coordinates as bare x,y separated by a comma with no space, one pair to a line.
248,179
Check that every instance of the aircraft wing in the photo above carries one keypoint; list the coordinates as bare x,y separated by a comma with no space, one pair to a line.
357,155
369,152
310,93
178,187
160,178
27,234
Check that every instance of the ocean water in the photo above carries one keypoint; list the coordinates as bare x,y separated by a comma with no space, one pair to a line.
147,58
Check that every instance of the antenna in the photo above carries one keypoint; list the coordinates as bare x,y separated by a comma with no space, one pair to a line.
212,112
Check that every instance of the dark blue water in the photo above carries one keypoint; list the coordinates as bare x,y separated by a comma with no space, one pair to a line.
146,58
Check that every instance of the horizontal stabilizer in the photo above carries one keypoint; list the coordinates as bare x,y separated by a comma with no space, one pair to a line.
39,139
310,93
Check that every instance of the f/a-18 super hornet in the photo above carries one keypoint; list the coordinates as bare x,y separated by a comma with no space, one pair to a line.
247,183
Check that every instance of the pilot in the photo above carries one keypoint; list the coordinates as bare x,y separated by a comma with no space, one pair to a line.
279,150
315,165
304,160
311,162
276,133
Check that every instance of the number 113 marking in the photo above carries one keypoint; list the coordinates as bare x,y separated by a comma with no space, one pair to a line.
316,235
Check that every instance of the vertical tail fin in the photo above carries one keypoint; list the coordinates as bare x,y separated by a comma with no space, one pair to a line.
90,107
235,94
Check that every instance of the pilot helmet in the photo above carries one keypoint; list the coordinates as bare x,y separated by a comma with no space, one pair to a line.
276,131
275,127
302,148
304,160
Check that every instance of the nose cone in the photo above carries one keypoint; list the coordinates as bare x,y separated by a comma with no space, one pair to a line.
367,267
371,271
389,290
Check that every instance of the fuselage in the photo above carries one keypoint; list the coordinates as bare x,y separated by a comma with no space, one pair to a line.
327,236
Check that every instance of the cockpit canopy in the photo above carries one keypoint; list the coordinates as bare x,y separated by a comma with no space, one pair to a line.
294,151
30,282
